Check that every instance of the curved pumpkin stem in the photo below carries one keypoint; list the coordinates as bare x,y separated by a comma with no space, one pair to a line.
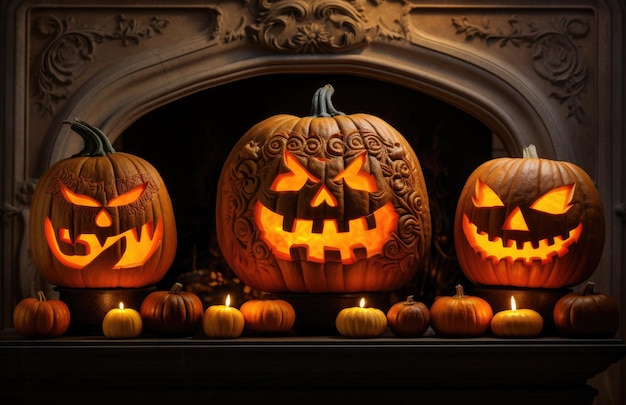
530,152
322,106
176,288
41,295
96,142
409,300
589,288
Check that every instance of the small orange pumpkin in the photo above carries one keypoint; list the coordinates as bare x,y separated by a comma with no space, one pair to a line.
268,316
460,315
39,317
586,314
174,312
408,318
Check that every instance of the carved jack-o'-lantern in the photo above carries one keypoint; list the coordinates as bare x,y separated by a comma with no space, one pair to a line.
101,219
324,203
529,222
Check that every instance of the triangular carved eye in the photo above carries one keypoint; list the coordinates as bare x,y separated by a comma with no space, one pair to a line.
485,197
295,179
556,201
128,197
355,177
78,199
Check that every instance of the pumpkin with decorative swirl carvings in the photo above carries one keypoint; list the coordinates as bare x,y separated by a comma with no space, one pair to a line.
324,203
101,219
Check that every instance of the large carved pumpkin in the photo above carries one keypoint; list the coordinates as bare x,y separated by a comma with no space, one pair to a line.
324,203
101,219
529,222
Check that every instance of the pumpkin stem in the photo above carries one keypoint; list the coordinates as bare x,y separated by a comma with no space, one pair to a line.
176,288
322,106
460,292
589,288
409,300
41,295
530,152
95,141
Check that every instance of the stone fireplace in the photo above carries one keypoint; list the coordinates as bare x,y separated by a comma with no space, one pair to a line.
517,73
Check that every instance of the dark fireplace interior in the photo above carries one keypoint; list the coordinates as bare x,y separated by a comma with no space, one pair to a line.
188,140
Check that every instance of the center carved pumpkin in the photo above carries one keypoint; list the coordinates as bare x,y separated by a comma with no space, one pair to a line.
324,203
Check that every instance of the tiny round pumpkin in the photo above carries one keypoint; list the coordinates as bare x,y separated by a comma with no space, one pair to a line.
323,203
408,318
101,219
39,317
460,315
268,316
223,321
122,323
529,222
174,312
586,314
361,322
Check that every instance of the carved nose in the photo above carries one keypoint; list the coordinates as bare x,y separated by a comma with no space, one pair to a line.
323,196
515,221
103,219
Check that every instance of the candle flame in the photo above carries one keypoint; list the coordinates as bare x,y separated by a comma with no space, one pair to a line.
228,300
362,303
121,306
513,305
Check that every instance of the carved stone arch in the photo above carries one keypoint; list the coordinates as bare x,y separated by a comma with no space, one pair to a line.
516,112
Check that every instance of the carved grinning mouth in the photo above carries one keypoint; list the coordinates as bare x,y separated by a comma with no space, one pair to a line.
497,250
138,249
359,234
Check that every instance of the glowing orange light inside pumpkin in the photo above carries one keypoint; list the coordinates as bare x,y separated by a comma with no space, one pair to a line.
555,202
360,234
138,249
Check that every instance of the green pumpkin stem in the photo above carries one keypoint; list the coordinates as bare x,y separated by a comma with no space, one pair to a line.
95,141
322,106
589,288
530,152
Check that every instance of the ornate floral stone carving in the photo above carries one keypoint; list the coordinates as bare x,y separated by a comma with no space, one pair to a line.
555,55
72,48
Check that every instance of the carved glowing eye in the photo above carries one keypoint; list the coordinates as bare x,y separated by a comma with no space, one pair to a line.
484,196
129,196
556,201
295,179
78,199
355,177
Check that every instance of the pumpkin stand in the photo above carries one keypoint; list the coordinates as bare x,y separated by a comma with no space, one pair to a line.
323,209
101,229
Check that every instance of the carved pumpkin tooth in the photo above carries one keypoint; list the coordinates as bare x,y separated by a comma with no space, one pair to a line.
288,224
